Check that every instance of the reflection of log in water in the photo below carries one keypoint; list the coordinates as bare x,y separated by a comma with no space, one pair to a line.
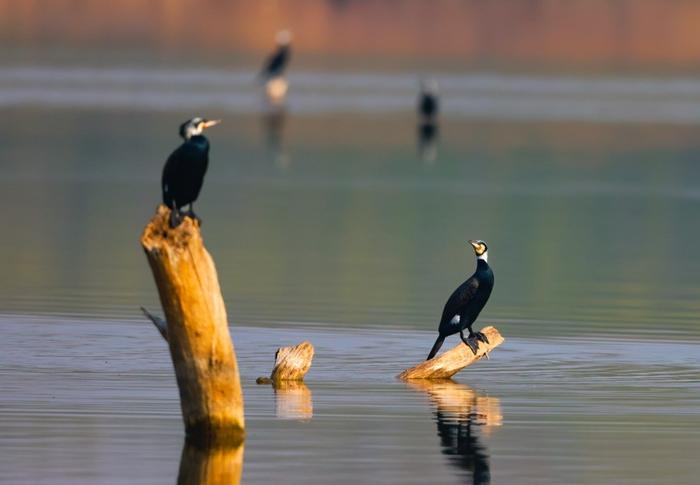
459,410
293,400
428,132
210,466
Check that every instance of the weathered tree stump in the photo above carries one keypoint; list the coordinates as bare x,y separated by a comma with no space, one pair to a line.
291,363
196,330
449,363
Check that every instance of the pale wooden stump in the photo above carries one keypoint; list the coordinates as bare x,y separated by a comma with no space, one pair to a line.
197,330
292,397
291,363
448,363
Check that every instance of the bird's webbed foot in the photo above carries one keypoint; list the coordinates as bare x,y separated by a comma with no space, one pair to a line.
190,213
175,218
469,342
480,336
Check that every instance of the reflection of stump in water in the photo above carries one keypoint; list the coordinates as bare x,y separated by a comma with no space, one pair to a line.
210,466
459,410
427,141
293,400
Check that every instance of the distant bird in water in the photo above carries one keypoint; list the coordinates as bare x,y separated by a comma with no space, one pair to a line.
466,302
183,173
272,74
428,102
428,108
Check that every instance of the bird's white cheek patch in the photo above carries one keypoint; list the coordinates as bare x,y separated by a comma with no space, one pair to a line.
455,319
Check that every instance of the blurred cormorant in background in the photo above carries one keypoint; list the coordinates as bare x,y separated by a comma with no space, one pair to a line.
428,108
272,73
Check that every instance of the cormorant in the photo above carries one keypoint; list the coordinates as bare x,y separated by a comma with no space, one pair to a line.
466,302
428,107
272,73
428,103
184,171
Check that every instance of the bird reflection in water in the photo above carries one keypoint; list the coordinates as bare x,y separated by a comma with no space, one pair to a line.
210,465
274,119
459,413
427,141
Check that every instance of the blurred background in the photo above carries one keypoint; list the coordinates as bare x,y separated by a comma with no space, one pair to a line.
567,138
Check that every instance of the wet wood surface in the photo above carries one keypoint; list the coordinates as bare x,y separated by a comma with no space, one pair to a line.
447,364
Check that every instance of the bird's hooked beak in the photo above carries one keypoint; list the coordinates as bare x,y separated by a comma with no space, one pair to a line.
479,247
210,123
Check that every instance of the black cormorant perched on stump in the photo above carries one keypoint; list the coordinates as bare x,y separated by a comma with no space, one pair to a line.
272,73
183,173
466,302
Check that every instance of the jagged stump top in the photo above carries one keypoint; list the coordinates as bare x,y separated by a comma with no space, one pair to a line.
158,231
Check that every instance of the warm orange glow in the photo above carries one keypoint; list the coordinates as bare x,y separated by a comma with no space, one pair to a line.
574,32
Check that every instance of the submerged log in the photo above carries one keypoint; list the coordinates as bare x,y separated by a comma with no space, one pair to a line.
197,330
291,363
449,363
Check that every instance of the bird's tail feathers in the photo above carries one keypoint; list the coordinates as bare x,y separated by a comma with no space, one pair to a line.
436,347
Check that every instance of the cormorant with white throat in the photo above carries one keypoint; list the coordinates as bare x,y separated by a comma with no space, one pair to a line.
272,73
466,302
183,173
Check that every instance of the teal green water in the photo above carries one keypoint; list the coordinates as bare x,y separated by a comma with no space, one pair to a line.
352,228
328,225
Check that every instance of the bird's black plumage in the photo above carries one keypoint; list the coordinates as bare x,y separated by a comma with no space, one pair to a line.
464,306
276,63
183,173
428,105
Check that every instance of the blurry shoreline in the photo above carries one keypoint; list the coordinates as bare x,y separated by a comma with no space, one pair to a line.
478,95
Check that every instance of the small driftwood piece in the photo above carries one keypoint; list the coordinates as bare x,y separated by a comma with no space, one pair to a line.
449,363
197,330
291,363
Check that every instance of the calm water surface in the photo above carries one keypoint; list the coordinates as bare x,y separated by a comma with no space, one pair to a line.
327,224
